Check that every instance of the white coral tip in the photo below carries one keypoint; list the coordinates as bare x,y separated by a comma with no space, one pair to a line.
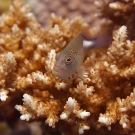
26,97
9,56
70,102
3,95
25,117
124,109
81,129
133,103
18,107
84,114
103,120
124,125
89,91
63,116
29,80
50,122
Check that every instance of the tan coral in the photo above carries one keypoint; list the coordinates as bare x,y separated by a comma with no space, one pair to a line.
73,108
104,97
34,107
7,74
118,112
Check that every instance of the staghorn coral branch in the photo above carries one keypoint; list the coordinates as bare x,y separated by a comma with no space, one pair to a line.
118,112
83,90
110,116
34,79
34,107
50,60
73,107
128,103
7,74
128,72
118,43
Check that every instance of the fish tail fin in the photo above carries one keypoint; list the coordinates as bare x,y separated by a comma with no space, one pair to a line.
103,38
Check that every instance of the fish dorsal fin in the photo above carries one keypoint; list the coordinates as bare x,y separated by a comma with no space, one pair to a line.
86,33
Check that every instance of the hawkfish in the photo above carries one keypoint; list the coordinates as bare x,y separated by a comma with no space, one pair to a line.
69,60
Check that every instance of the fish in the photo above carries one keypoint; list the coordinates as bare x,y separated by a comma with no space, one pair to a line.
69,60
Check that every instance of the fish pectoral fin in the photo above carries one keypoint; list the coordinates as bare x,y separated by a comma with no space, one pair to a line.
82,73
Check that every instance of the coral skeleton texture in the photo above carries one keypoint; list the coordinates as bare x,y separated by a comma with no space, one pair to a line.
103,102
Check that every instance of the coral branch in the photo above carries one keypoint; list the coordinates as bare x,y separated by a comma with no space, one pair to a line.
34,107
103,99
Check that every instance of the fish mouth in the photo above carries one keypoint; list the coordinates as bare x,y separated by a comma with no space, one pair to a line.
54,72
57,74
58,71
59,68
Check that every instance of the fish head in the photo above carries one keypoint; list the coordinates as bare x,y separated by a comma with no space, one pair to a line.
67,64
70,59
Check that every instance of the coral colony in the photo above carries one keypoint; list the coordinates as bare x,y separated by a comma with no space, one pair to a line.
103,102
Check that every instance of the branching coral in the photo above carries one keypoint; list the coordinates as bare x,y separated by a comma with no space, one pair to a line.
72,108
105,97
121,12
65,8
121,110
34,107
7,74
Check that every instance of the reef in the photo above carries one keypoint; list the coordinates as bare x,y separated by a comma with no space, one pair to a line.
103,102
64,8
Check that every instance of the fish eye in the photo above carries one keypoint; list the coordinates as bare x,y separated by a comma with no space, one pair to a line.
71,57
68,60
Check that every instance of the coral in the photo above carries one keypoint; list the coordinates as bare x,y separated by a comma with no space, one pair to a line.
103,102
121,12
36,108
66,9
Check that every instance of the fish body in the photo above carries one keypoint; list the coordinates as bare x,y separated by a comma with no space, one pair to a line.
71,58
